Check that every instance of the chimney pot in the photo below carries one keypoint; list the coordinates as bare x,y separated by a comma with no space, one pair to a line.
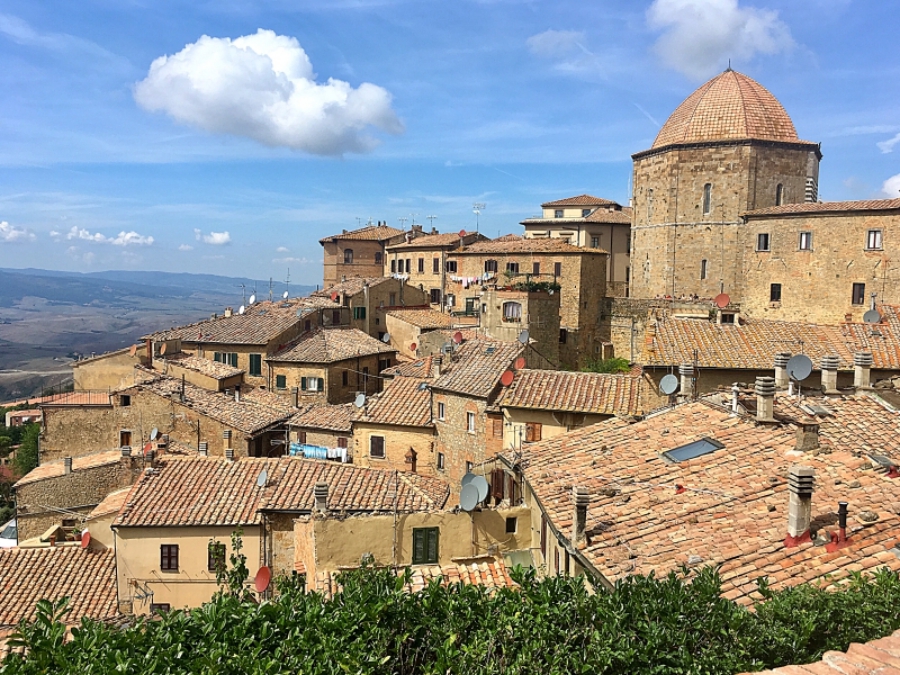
204,448
436,362
126,451
229,454
829,367
781,374
228,312
686,370
807,437
237,393
580,499
765,399
862,370
320,494
800,489
67,465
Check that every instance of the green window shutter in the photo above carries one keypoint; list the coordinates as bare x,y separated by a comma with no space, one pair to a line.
280,381
418,546
217,356
432,547
256,364
321,384
233,359
303,383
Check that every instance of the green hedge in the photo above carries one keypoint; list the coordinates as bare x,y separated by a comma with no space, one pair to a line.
645,625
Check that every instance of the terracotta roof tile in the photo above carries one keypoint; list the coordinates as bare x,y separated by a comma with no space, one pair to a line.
250,329
615,216
814,208
565,391
878,656
419,368
350,286
404,402
371,233
213,369
731,510
476,367
56,468
580,200
329,345
446,240
521,245
328,417
112,503
85,576
422,318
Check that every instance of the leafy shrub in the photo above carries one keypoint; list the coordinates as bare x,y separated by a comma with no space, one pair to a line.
613,365
531,286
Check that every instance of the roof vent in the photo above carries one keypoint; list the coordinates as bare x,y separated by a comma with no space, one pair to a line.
829,366
765,399
580,500
320,494
781,373
800,489
862,370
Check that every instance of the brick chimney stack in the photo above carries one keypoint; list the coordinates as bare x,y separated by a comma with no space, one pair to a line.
800,490
686,370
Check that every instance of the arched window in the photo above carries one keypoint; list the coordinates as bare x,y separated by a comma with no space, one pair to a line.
707,198
779,195
348,256
512,311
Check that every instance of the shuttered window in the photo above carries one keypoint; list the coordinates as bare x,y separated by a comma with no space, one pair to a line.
256,364
425,545
168,557
376,446
532,432
312,384
281,381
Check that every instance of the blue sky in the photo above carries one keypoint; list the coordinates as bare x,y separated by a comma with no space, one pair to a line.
130,140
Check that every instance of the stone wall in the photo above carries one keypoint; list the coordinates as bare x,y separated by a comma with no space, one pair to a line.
398,441
360,377
107,371
368,259
539,316
458,445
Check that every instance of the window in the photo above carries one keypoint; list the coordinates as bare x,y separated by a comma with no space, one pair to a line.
168,557
762,241
696,449
342,442
392,299
859,294
490,265
442,411
348,256
435,265
359,312
307,324
301,437
704,268
806,241
512,311
378,257
124,400
585,213
775,293
312,384
563,336
533,432
512,525
421,265
512,267
384,364
873,240
558,213
470,422
256,365
336,317
435,296
124,439
281,381
159,607
779,195
376,447
393,266
425,545
215,555
727,317
451,266
707,198
557,269
595,241
649,203
451,300
536,268
440,461
345,378
498,428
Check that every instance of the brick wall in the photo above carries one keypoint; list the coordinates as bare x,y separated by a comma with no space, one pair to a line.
455,442
365,263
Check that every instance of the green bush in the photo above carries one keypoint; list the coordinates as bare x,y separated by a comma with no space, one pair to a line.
644,625
613,365
27,454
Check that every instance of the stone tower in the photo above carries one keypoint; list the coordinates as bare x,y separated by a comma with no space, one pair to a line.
729,148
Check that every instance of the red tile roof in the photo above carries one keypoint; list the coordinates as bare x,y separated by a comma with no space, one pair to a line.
420,368
85,576
476,367
350,286
446,240
521,245
426,318
208,367
565,391
249,329
728,507
112,503
405,401
329,345
56,468
815,208
327,417
371,233
580,200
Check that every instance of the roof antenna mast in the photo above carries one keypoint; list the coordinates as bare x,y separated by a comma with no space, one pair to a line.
477,208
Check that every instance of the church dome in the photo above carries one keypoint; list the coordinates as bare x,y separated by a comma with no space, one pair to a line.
729,107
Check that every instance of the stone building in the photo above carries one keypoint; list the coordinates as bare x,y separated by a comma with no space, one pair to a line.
323,425
589,222
359,253
408,326
531,317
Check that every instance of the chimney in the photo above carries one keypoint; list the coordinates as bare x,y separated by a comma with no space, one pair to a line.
807,436
781,374
862,370
67,465
229,454
839,538
580,500
436,362
800,489
686,370
411,460
126,451
829,367
735,403
295,397
228,312
320,494
204,449
226,435
765,399
237,393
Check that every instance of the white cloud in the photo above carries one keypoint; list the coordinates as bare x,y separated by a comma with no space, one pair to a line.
185,247
299,261
699,36
213,238
14,235
555,42
122,239
282,249
888,145
263,87
891,187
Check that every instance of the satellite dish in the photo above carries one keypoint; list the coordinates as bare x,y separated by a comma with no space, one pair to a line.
85,539
262,478
242,309
252,299
457,337
507,378
468,478
481,484
423,386
360,400
334,296
799,367
263,578
285,295
413,347
668,385
722,300
133,350
163,349
468,497
523,337
872,316
386,338
462,233
154,434
520,363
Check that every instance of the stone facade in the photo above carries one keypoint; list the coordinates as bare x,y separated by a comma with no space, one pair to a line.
398,442
360,253
107,371
537,312
343,380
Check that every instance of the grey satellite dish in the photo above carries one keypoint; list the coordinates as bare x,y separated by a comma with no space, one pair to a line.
482,486
262,478
285,295
523,337
668,385
253,298
872,316
468,497
360,400
468,478
242,309
154,434
386,339
423,386
799,367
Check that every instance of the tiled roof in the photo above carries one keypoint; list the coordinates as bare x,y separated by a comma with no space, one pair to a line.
56,468
580,200
422,318
112,503
488,572
420,368
814,208
616,217
214,491
350,286
448,239
371,233
328,417
728,507
521,245
213,369
85,576
405,401
880,656
476,367
328,345
731,106
753,345
249,329
565,391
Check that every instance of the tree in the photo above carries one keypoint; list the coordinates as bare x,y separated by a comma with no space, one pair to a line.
613,365
27,454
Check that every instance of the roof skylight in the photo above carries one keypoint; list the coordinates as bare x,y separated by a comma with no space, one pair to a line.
696,449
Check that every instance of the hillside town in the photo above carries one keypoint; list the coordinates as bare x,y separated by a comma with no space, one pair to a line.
706,376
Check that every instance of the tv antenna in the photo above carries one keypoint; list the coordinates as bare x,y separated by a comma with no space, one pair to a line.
413,216
270,289
402,220
287,284
243,293
477,208
431,220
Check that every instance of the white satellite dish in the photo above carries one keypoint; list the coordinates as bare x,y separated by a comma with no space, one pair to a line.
799,367
253,298
481,484
468,478
360,400
468,497
285,295
386,338
242,309
523,337
668,385
262,478
154,434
